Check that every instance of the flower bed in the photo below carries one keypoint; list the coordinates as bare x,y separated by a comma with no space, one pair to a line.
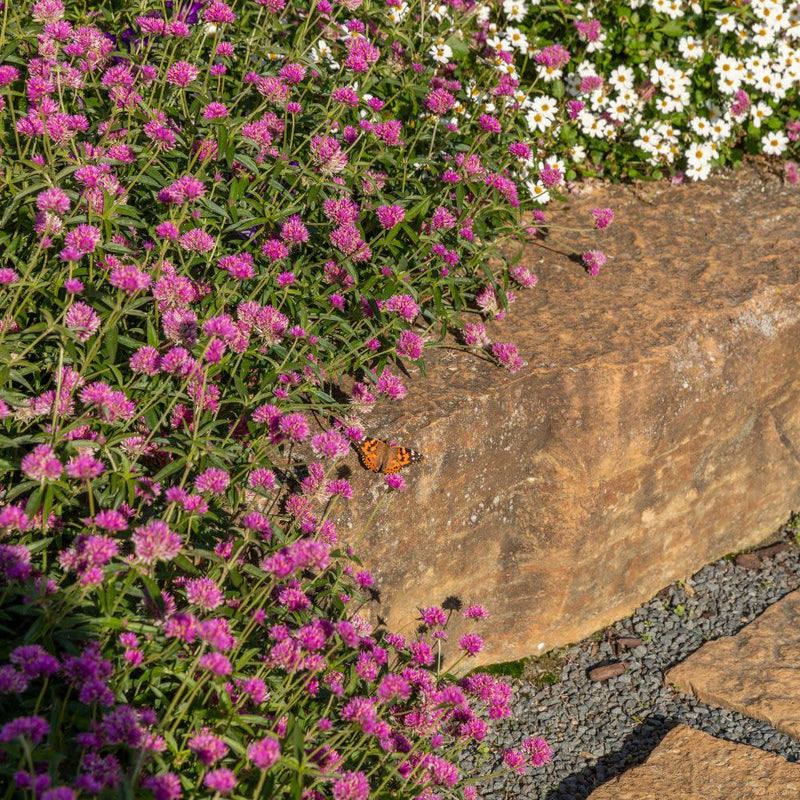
212,215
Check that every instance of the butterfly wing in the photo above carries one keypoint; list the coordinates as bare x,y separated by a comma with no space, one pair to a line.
378,456
399,457
371,452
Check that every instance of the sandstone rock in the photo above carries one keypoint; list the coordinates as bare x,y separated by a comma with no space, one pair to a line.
692,765
754,672
655,428
606,671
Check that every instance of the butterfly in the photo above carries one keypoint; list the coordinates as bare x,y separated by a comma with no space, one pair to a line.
379,456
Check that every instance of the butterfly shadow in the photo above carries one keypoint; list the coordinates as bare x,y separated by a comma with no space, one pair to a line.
636,748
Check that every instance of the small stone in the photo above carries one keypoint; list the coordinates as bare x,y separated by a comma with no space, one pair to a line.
606,671
748,561
629,642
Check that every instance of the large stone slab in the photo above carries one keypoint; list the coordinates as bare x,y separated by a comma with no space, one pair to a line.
756,672
655,428
692,765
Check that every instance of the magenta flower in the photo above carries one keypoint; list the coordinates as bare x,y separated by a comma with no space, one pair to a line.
327,155
514,760
537,750
471,644
389,216
216,663
395,482
129,278
220,780
208,748
84,467
182,73
156,542
409,345
205,593
391,386
42,464
440,101
215,111
34,729
352,786
603,217
218,13
264,753
167,230
84,239
54,200
197,240
212,480
166,786
83,319
294,427
593,260
340,487
489,123
506,353
330,444
475,611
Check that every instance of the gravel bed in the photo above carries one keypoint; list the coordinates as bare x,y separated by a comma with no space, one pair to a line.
599,729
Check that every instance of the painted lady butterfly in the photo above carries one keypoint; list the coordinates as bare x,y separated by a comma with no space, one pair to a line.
379,456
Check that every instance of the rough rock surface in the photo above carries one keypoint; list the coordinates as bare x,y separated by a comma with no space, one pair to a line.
691,765
756,672
655,428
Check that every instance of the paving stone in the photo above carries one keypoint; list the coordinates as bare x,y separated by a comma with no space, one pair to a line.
756,672
655,428
692,765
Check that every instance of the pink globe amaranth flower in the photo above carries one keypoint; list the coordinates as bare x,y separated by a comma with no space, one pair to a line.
167,230
47,11
523,276
8,276
197,240
603,217
205,593
409,345
340,487
489,123
216,663
42,464
506,353
471,644
390,386
54,200
330,444
294,427
166,786
145,360
515,761
293,231
351,786
475,611
396,483
440,101
34,729
208,748
73,286
129,279
84,467
220,780
8,75
264,753
212,480
84,239
215,111
537,750
554,56
292,73
593,260
182,73
156,542
218,13
327,155
389,216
